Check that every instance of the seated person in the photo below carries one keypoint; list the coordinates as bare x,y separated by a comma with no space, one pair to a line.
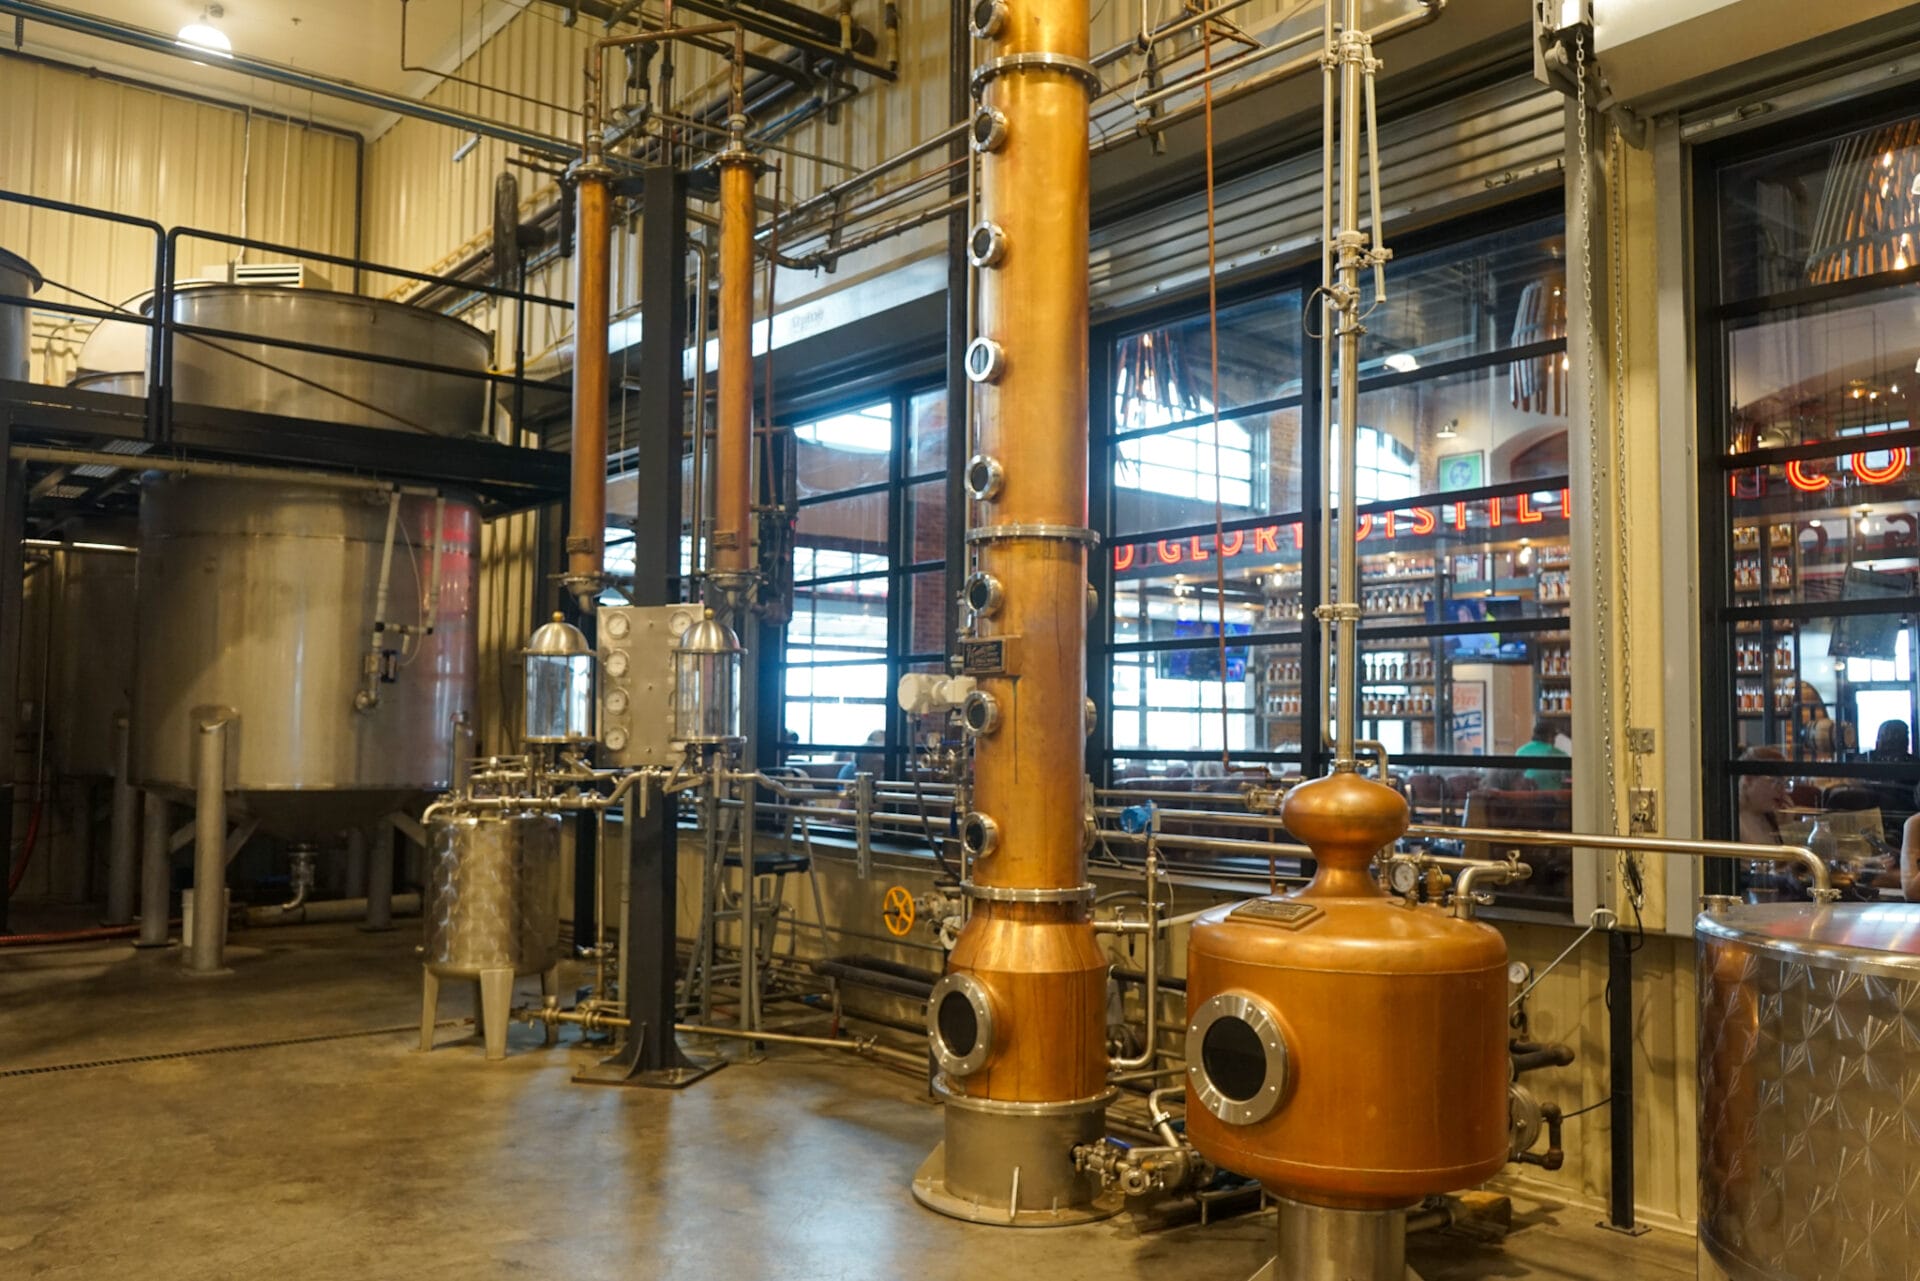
1542,744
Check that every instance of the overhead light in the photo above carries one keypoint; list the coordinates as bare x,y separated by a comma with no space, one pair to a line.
204,35
1448,429
465,149
1401,362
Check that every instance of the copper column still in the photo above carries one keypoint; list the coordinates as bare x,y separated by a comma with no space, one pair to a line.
733,448
1347,1048
1018,1025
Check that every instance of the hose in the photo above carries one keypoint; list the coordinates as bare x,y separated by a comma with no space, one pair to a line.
98,934
19,871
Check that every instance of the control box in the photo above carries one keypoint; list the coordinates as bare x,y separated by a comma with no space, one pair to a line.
637,682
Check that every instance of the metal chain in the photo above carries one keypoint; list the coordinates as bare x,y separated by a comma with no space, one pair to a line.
1602,584
1617,359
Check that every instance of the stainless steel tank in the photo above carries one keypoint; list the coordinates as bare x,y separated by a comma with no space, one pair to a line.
17,279
259,597
260,376
79,606
493,893
1809,1072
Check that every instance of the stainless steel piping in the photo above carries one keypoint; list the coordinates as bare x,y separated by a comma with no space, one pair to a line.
1816,867
1150,1040
261,69
1228,67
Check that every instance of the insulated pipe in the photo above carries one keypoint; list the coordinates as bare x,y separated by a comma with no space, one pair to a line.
592,313
156,871
122,858
733,443
206,953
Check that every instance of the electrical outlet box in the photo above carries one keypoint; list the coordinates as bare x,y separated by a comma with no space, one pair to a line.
637,682
1640,742
1643,810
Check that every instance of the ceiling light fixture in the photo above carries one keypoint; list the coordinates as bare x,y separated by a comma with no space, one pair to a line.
204,35
1448,429
1401,362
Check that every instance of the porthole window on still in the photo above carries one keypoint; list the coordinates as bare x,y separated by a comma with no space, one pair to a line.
1810,363
1465,664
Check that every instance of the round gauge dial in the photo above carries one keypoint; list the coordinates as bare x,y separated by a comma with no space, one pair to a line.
1518,973
616,740
618,625
1404,877
678,622
617,703
616,664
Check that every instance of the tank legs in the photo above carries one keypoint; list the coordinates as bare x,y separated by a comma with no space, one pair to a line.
1320,1244
429,1006
496,1003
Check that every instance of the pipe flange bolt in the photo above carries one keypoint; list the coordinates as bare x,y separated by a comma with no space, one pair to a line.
987,18
986,245
989,129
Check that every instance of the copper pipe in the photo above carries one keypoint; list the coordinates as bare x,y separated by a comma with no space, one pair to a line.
733,446
592,309
1038,959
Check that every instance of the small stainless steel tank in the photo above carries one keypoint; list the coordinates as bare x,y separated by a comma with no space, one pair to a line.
17,279
1809,1064
492,911
79,606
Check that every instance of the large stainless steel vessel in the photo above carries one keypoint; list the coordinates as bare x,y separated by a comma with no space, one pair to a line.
17,279
266,378
259,598
1809,1072
493,894
80,607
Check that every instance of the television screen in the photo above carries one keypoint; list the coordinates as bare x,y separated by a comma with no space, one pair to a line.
1488,647
1203,663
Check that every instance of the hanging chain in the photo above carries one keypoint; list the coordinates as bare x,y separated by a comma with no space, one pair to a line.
1617,358
1602,585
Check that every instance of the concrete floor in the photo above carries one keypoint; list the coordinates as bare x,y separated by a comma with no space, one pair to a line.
359,1157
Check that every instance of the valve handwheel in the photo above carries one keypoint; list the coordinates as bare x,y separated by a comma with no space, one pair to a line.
898,911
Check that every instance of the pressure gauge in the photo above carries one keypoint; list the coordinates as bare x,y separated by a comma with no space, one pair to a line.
1404,877
1518,973
618,625
678,622
616,740
617,703
617,664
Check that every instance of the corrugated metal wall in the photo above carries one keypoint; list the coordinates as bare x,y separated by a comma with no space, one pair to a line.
178,161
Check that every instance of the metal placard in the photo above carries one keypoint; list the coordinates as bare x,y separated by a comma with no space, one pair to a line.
984,657
1285,913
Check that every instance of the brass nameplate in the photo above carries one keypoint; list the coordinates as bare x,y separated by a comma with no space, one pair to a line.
985,657
1282,912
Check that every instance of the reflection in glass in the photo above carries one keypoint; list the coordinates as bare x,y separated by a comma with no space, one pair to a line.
843,451
1849,367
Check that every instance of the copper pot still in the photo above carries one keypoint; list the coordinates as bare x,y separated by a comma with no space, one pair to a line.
1346,1048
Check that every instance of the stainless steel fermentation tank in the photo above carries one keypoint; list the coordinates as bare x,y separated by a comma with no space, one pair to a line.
18,279
77,616
1809,1071
492,912
257,598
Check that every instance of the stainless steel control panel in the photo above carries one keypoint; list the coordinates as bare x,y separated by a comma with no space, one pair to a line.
636,681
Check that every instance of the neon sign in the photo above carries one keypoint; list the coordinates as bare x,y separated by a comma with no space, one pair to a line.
1807,476
1265,540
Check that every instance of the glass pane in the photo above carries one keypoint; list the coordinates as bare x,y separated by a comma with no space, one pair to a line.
1466,562
927,613
1167,479
1534,799
1846,527
1170,700
843,451
1482,295
1855,822
842,536
1483,694
927,432
1819,373
927,522
837,673
1823,213
1462,431
1167,588
1164,376
1825,690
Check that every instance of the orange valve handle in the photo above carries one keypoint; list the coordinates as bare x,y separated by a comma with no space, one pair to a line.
898,911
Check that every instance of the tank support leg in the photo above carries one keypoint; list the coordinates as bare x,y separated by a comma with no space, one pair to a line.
550,990
156,869
1320,1244
206,952
380,879
356,863
496,1008
429,1007
122,854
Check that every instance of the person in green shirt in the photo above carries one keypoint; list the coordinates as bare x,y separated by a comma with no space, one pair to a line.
1542,744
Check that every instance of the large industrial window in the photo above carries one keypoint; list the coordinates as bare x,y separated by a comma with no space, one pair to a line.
1809,367
1465,670
869,595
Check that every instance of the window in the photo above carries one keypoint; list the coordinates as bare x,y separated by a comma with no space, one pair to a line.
1810,345
1461,461
869,594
